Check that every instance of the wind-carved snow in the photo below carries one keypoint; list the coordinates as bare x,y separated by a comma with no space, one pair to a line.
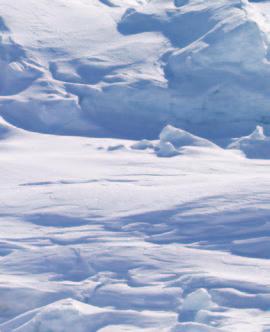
128,68
255,145
169,232
122,240
171,141
16,73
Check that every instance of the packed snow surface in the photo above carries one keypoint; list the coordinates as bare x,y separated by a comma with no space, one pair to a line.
146,214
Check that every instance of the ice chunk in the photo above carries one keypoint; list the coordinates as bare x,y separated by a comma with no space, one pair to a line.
179,137
256,145
258,134
142,145
116,147
166,149
199,299
171,140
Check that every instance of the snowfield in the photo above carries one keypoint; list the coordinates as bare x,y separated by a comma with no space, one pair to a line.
99,239
134,166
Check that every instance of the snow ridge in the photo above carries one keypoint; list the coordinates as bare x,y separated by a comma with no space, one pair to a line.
198,65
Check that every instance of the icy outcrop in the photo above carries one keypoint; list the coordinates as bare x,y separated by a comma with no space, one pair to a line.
166,149
179,137
198,300
215,75
256,145
171,141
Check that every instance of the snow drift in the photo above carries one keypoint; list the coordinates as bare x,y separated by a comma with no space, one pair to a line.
198,65
65,314
171,141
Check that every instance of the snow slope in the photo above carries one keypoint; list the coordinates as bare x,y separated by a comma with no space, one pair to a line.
98,239
127,68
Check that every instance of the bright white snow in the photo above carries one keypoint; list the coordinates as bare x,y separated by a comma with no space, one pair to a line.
154,217
125,241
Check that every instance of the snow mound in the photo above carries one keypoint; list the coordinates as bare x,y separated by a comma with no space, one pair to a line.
199,299
179,138
142,145
171,141
65,314
196,308
116,147
255,146
166,149
7,130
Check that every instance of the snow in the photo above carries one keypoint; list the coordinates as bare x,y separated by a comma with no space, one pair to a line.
126,202
127,68
116,147
171,142
179,138
198,300
255,145
124,240
62,315
142,145
166,149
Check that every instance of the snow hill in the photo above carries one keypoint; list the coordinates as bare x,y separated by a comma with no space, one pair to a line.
127,68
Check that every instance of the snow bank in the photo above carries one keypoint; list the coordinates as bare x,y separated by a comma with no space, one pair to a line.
256,145
199,65
67,314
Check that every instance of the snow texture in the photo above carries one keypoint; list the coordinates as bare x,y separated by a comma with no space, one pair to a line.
255,145
126,202
127,68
